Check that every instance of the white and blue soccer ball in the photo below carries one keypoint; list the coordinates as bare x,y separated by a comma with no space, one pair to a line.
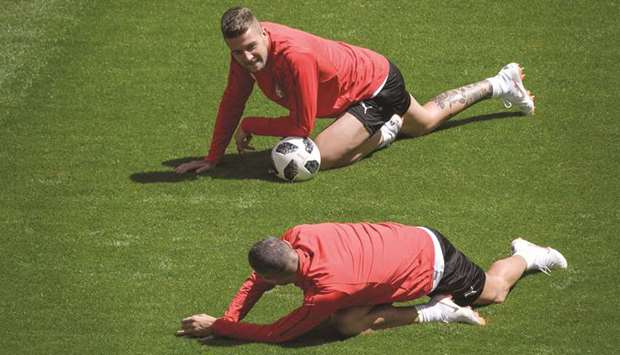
296,159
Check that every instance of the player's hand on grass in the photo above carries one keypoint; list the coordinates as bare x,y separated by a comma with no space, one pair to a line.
198,325
242,138
198,166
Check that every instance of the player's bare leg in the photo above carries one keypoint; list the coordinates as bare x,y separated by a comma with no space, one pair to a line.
363,319
501,277
422,119
505,273
344,142
506,85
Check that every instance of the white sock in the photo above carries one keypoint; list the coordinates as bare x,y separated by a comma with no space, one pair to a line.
529,259
389,131
447,311
429,312
496,83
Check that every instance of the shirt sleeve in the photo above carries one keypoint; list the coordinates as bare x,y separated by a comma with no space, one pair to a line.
313,312
302,88
238,89
249,293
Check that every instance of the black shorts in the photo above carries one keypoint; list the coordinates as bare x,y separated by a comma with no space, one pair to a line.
393,98
462,279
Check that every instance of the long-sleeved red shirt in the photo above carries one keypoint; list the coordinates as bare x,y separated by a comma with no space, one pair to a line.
340,266
309,75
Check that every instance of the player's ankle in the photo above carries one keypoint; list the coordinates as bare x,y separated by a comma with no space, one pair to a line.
528,258
496,85
428,313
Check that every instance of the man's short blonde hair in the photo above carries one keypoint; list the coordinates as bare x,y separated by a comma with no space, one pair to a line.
236,21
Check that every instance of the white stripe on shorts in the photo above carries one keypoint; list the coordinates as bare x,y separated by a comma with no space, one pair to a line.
380,86
439,262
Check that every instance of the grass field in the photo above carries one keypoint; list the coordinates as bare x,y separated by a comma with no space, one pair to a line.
104,250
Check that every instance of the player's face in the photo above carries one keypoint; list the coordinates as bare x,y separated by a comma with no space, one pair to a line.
250,49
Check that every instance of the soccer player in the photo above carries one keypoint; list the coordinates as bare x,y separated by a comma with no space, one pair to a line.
351,274
316,77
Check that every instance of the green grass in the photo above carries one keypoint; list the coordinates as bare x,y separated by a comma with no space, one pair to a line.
103,251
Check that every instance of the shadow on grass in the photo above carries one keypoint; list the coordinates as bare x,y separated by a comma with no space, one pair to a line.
251,165
315,337
481,118
257,165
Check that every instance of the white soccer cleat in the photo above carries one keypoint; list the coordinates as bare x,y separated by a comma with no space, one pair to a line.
510,78
453,313
537,257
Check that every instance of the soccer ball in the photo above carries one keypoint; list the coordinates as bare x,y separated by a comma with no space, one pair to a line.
296,159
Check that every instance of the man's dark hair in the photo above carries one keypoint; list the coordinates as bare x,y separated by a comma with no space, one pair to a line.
236,21
270,256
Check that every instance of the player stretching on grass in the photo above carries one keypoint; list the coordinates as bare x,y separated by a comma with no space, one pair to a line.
315,77
352,273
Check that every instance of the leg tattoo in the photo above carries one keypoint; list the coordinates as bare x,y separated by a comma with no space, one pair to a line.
458,99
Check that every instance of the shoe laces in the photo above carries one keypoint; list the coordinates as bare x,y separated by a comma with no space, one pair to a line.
545,269
548,261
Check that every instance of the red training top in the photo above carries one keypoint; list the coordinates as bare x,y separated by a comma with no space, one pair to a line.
309,75
340,266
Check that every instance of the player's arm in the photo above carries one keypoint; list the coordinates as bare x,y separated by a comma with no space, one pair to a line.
249,293
238,89
303,92
313,312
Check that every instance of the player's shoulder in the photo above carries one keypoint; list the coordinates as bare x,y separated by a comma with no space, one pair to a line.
305,233
280,31
297,229
289,43
273,27
292,234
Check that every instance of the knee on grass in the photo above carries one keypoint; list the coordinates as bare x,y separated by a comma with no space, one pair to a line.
333,158
498,293
348,324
